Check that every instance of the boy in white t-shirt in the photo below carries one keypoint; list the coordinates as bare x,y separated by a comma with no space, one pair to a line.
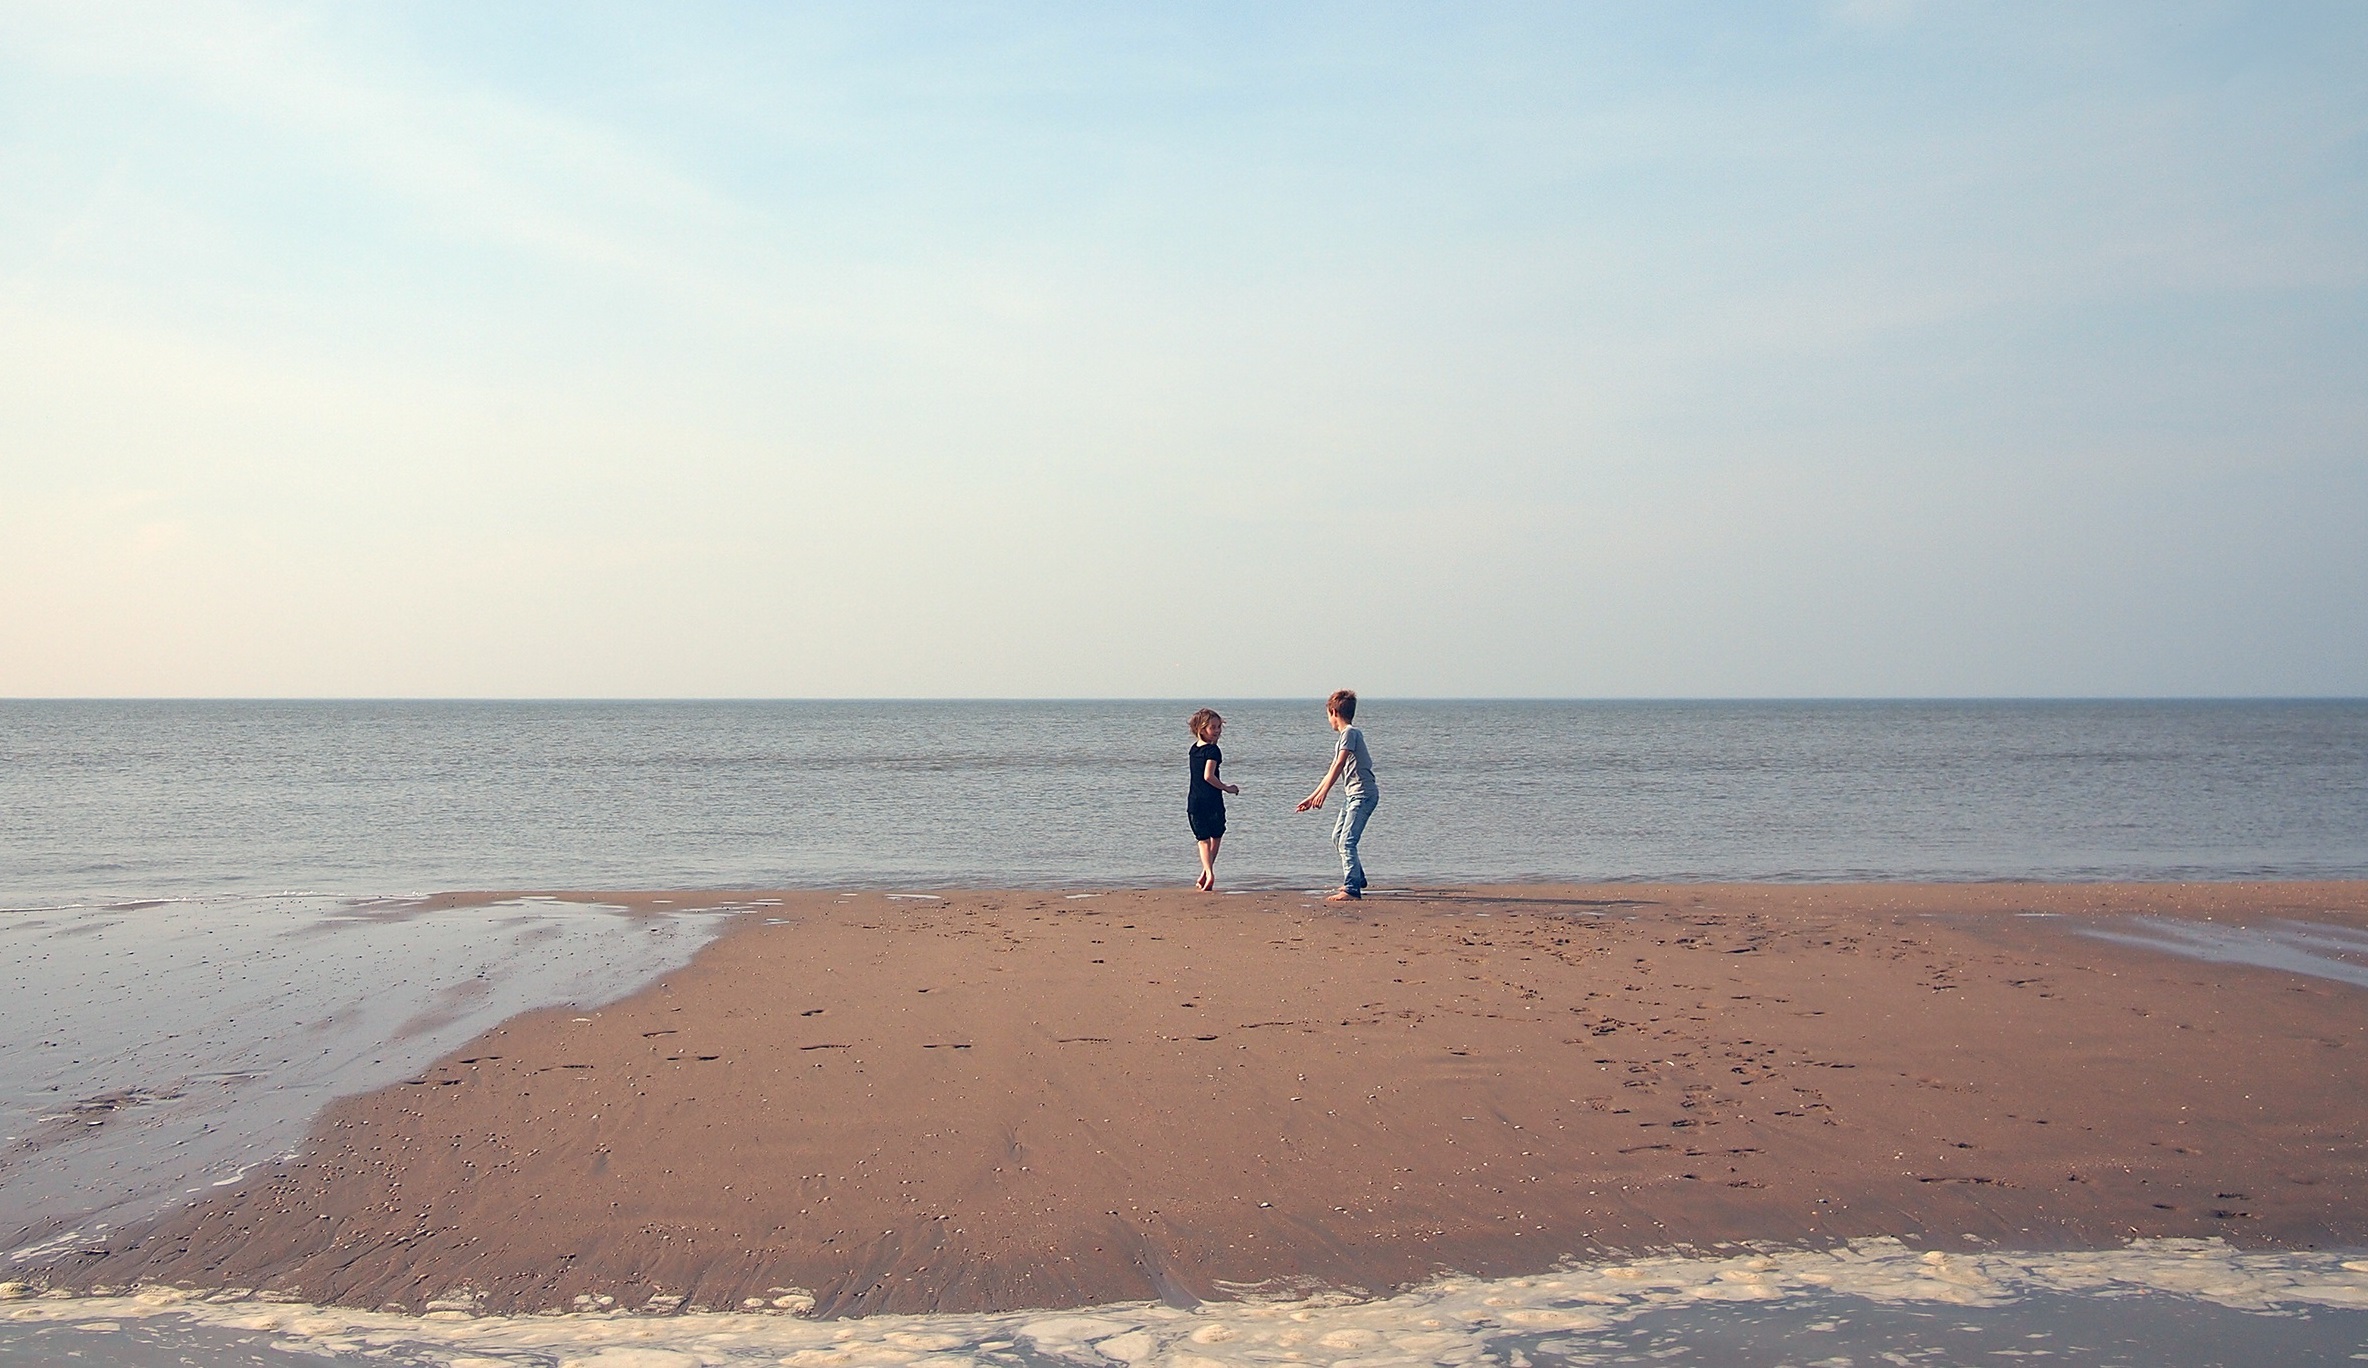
1352,769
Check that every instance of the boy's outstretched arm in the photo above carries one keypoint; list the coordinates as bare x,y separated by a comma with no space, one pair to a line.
1324,789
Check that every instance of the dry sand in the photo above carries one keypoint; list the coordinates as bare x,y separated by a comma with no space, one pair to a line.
1007,1099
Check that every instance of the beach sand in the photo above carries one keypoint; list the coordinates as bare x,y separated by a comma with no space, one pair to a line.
990,1100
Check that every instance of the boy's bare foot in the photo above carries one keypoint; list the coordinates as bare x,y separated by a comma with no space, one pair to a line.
1345,896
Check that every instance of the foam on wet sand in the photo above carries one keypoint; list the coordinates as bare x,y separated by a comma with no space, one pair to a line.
1563,1313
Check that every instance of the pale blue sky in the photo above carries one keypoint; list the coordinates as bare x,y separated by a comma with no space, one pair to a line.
1218,350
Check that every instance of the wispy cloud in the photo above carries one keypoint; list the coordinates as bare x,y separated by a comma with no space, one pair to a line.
1832,325
463,160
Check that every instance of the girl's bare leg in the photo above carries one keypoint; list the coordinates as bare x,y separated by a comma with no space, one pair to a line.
1208,864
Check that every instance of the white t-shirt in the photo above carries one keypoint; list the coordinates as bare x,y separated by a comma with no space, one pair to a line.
1356,777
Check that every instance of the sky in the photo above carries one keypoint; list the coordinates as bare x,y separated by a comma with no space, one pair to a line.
1178,351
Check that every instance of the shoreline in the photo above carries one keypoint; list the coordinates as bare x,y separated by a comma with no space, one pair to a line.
983,1100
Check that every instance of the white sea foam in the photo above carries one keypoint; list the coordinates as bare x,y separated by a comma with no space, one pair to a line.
166,1050
1454,1321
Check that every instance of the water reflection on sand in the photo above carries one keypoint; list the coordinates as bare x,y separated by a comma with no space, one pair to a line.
158,1050
2312,948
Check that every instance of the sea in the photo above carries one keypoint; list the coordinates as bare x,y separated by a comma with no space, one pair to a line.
211,924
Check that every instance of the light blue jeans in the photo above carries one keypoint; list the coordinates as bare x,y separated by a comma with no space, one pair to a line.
1347,830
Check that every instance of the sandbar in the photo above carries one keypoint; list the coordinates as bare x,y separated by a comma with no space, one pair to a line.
985,1100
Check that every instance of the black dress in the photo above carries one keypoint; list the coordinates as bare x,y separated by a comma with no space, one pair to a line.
1204,802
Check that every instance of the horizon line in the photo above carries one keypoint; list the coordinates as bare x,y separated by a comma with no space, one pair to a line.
1184,698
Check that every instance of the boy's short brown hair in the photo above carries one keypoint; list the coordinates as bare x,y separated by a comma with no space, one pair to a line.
1342,704
1199,721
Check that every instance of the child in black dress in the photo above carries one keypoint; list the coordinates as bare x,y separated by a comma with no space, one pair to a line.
1204,801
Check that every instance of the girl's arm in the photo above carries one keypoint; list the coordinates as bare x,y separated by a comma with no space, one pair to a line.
1324,789
1208,771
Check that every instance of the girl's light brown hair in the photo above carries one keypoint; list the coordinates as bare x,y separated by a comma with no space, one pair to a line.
1342,704
1199,721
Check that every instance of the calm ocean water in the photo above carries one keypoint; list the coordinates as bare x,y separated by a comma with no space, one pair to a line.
121,800
191,964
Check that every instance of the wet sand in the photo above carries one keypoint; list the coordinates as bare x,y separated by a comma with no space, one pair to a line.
155,1050
1009,1099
